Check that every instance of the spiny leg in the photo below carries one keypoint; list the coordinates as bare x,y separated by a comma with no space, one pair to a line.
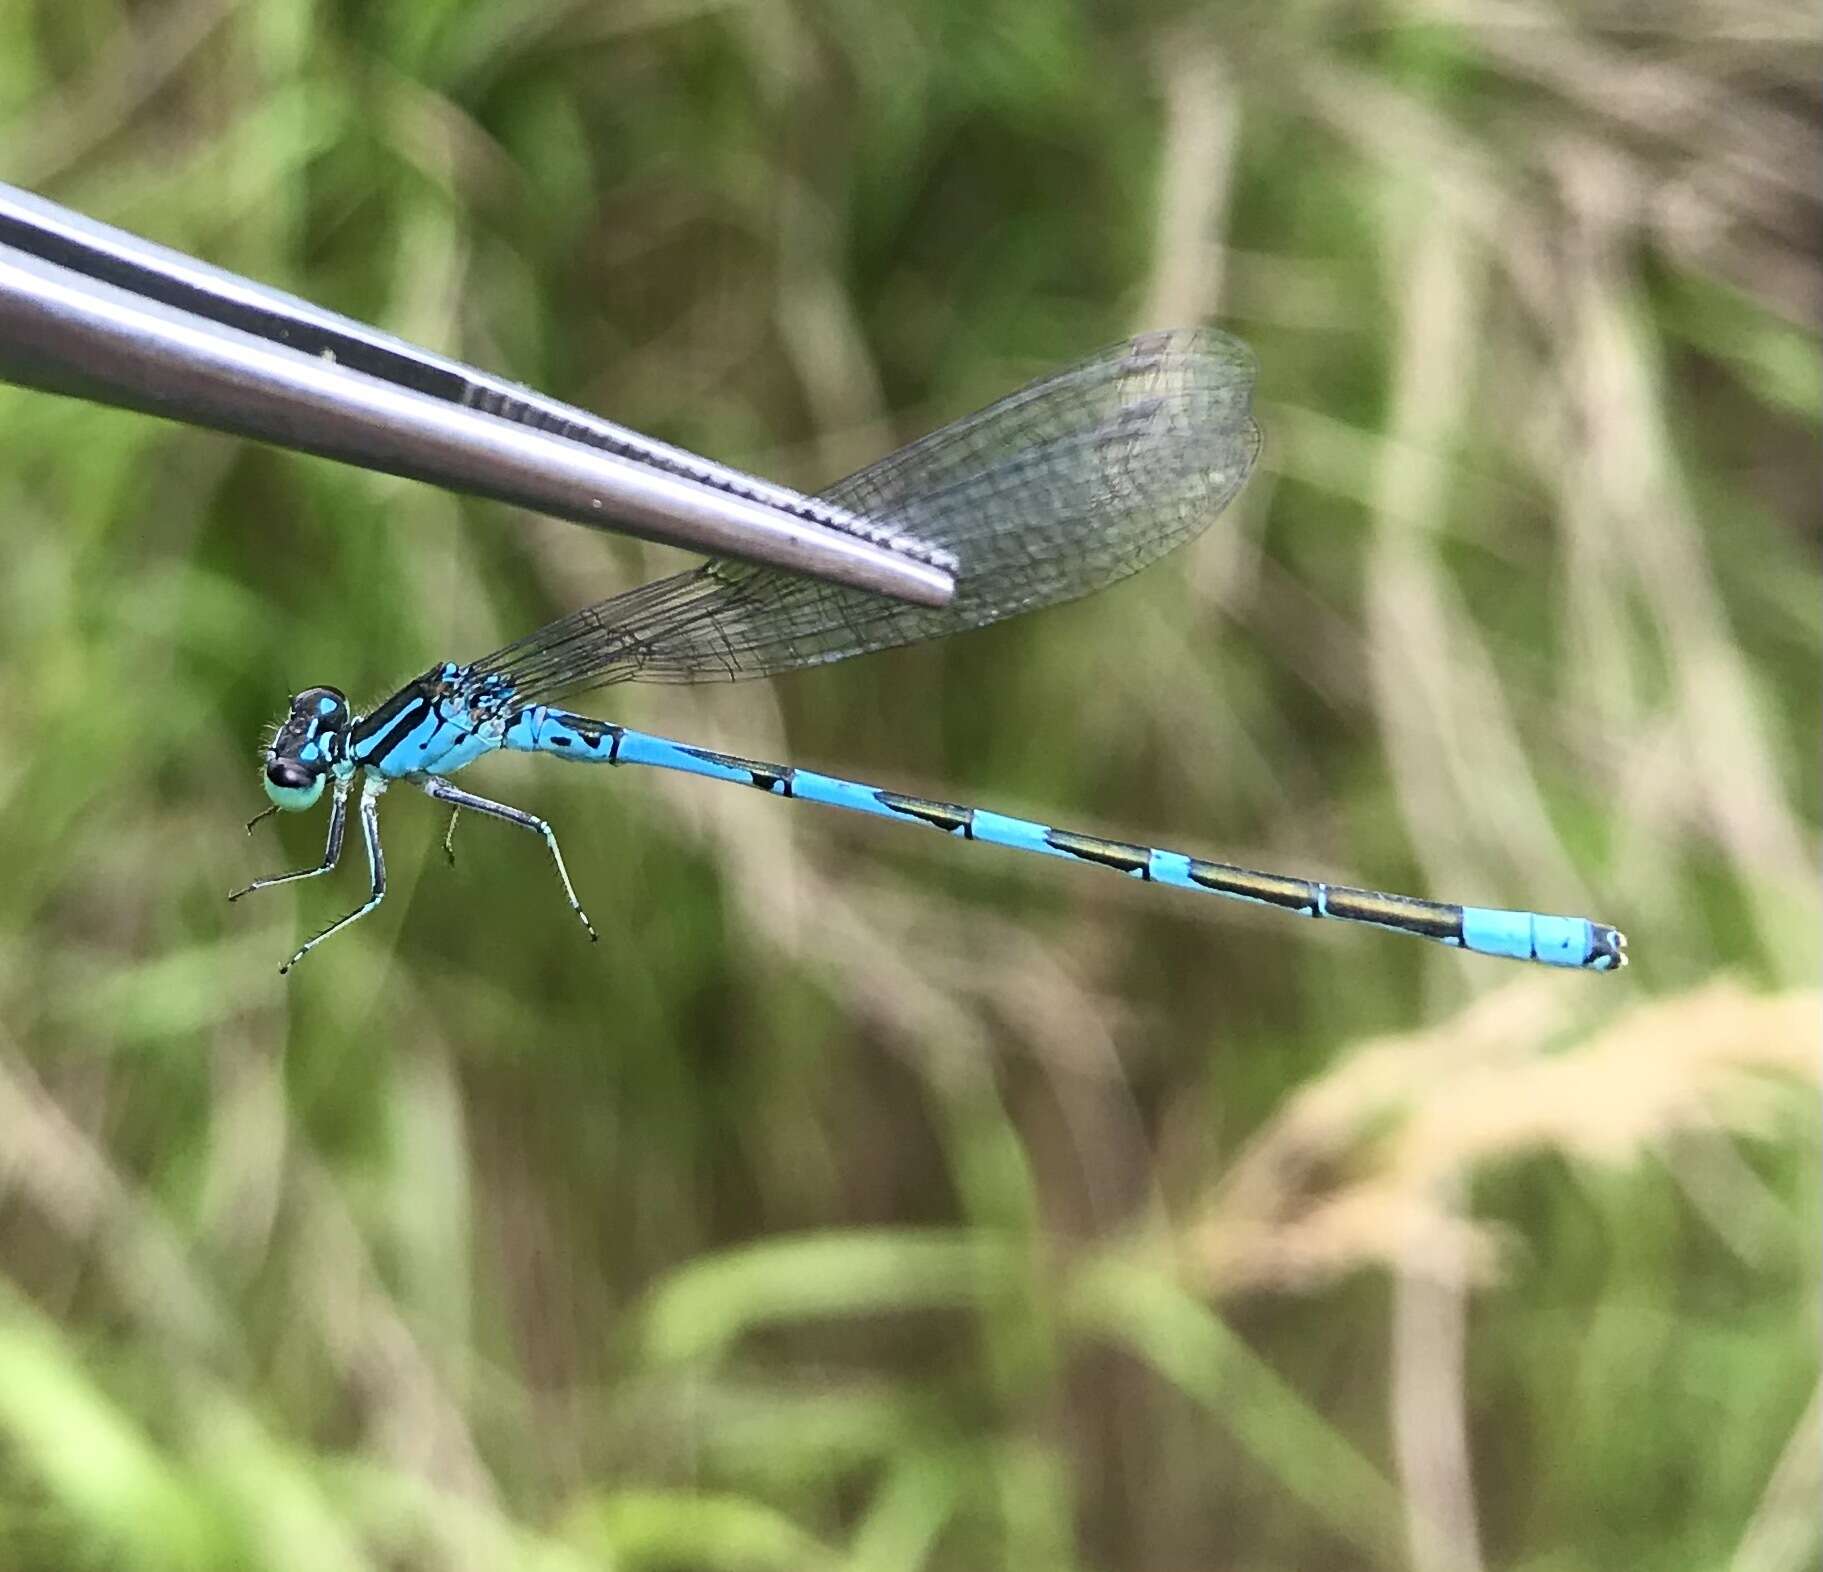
376,862
449,836
332,852
436,787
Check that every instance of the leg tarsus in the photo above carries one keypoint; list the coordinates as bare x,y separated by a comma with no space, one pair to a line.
449,837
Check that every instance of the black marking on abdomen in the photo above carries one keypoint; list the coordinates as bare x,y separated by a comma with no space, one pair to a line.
1275,889
948,817
1404,912
1110,854
768,777
595,733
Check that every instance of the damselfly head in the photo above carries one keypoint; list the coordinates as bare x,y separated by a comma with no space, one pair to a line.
305,748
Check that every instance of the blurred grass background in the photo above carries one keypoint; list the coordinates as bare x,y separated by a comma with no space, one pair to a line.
859,1201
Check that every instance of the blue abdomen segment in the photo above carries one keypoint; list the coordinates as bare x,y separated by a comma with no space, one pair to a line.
540,729
1523,936
1533,936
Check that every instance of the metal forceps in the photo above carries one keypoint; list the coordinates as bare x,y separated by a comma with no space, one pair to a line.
89,310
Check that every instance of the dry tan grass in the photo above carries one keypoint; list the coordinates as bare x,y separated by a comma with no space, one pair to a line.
1365,1166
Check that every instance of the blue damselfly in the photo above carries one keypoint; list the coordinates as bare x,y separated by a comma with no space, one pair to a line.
1054,492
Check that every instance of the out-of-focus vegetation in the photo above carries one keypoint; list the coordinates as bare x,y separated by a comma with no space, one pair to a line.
862,1199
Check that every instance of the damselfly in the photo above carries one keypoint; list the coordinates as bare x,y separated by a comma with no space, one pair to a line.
1054,492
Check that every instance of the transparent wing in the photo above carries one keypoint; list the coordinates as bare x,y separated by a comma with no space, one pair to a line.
1054,492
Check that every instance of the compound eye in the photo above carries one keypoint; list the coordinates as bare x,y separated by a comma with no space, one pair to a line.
289,775
293,786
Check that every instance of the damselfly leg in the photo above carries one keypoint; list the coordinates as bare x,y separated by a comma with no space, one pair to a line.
454,797
371,788
332,853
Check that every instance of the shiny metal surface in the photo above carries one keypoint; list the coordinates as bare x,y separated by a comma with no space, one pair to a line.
100,314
